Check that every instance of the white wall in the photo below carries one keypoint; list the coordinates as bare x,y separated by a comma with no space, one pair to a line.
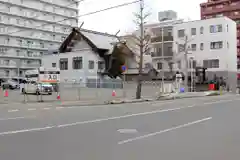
71,74
227,55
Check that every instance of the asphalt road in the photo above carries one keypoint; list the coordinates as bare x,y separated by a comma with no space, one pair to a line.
190,129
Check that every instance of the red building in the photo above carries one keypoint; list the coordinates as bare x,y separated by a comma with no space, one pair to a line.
229,8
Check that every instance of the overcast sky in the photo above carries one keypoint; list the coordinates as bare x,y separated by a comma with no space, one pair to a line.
122,18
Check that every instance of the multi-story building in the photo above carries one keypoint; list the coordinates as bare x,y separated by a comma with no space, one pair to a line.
211,44
161,44
229,8
30,29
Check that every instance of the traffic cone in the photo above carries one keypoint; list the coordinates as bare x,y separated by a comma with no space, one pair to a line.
113,93
58,97
6,93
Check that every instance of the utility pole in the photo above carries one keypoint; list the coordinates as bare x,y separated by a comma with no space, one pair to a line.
139,80
186,63
162,55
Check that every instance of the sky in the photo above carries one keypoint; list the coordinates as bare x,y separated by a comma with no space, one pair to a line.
122,18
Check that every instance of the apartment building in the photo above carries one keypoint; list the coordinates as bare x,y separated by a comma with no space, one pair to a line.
161,44
211,44
30,29
229,8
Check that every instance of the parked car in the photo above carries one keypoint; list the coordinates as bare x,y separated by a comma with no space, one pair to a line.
10,84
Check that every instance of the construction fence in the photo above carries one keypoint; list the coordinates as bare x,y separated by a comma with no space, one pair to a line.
91,91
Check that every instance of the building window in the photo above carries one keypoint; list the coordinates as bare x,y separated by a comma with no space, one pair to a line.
201,30
216,45
211,63
63,38
63,63
41,45
181,33
54,65
7,73
77,62
201,46
18,52
180,48
193,31
216,28
6,62
159,65
101,65
29,53
194,47
90,64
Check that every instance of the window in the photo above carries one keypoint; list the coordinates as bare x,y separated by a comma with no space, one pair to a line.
193,31
41,45
181,33
18,52
201,46
29,53
216,28
63,38
216,45
90,64
180,48
6,62
101,65
54,65
7,73
211,63
201,30
194,47
77,62
159,65
63,63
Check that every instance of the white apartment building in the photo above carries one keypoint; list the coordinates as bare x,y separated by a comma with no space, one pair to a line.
211,43
30,29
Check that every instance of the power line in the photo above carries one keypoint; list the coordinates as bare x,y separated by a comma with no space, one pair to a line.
90,13
78,1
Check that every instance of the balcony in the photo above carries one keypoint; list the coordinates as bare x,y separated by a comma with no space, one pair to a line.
159,39
226,8
165,55
213,2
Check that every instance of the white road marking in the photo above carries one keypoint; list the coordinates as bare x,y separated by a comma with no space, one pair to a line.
220,101
32,109
46,108
121,117
26,130
14,110
164,131
59,107
15,118
127,130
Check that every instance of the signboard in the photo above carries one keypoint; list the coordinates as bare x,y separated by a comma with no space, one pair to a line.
124,68
52,78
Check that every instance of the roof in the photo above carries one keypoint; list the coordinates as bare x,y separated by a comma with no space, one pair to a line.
101,40
97,40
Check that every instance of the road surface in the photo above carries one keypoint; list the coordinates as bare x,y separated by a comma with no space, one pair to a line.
187,129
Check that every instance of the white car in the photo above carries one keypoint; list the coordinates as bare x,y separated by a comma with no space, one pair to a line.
36,88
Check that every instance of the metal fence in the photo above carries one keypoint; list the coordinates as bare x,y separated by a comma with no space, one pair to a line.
90,91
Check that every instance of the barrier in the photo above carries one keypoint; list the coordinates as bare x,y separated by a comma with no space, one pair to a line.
99,92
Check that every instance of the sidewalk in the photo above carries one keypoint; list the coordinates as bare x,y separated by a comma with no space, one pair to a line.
171,96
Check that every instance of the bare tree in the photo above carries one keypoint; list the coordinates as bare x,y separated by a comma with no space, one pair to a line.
143,42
